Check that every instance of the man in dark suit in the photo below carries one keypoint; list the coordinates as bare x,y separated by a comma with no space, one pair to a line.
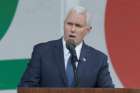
48,65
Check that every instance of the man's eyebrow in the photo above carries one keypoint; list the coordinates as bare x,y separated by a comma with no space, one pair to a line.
76,24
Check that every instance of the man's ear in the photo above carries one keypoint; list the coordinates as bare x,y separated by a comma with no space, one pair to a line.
89,28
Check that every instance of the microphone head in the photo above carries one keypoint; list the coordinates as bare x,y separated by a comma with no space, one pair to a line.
70,44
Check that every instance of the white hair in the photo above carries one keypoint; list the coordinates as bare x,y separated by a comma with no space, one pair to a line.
82,10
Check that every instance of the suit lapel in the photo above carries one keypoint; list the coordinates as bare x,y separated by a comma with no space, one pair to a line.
83,61
60,60
83,54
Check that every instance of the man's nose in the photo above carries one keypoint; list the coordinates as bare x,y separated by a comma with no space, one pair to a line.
73,29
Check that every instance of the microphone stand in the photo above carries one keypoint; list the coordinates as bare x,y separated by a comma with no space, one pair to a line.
70,44
74,60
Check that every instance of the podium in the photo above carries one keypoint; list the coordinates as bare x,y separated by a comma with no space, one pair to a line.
77,90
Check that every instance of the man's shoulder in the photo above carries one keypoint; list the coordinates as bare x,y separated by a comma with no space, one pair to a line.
95,51
48,44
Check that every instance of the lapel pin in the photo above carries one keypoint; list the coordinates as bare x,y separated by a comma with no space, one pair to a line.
84,59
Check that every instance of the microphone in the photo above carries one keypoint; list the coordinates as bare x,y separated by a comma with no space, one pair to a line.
70,44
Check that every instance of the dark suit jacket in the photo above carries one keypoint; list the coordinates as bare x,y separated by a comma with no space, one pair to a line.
46,68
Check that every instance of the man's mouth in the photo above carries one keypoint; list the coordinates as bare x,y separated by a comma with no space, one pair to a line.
72,36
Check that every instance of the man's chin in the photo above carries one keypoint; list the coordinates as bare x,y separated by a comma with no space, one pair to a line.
72,39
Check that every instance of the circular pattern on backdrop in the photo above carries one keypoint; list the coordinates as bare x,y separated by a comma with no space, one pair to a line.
122,26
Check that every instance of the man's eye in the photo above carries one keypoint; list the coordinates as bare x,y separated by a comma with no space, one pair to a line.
78,25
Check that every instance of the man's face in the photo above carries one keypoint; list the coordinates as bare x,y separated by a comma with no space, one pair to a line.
75,27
